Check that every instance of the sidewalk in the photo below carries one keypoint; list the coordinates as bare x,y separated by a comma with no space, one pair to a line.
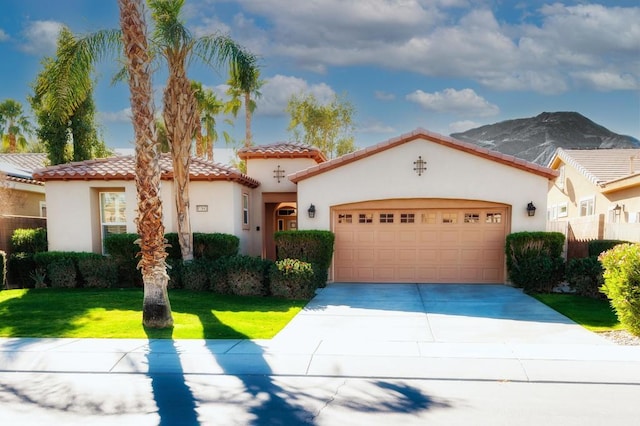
492,333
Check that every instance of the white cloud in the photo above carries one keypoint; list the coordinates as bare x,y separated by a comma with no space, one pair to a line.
278,89
461,102
462,126
376,127
384,96
605,80
122,116
41,37
3,35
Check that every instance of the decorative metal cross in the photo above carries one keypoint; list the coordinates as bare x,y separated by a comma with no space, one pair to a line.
420,165
279,173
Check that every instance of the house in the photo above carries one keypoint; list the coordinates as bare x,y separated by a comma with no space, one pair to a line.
596,194
417,208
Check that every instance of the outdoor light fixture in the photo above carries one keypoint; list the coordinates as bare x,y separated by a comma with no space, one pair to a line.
312,211
531,209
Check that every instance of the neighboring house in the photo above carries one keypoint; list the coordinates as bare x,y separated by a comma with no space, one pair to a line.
417,208
596,194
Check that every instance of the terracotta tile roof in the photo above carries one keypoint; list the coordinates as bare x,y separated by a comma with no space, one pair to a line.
420,133
282,150
600,166
25,161
122,168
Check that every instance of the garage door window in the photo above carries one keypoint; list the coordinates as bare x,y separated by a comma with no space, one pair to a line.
386,217
429,218
345,218
471,218
451,218
494,218
365,218
407,218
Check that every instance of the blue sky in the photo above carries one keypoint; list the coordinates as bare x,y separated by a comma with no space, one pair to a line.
444,65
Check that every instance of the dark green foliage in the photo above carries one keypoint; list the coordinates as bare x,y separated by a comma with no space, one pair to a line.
622,283
292,279
122,246
174,269
585,276
219,276
534,260
312,246
599,246
215,246
3,269
247,276
29,240
61,259
62,273
173,246
97,272
19,266
195,274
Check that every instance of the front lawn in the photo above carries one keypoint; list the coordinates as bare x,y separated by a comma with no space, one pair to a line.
117,313
593,314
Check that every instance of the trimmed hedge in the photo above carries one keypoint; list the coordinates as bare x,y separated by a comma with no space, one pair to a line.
596,247
312,246
59,263
19,268
247,275
194,275
292,279
31,240
99,272
622,283
585,276
534,260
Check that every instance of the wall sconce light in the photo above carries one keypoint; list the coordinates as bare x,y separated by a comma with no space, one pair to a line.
617,211
312,211
531,209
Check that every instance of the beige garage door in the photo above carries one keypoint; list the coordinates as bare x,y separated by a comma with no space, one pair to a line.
446,245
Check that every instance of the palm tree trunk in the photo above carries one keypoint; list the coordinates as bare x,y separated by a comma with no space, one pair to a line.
247,119
156,311
13,145
180,114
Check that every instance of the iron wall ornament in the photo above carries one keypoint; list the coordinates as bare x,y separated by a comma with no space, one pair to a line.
278,173
420,165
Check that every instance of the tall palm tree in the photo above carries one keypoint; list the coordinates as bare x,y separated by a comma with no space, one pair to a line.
156,310
173,41
14,123
208,106
242,84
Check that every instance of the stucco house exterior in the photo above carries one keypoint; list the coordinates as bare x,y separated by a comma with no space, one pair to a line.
420,207
24,195
596,194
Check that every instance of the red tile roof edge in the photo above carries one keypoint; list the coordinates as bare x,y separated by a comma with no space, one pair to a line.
271,151
498,157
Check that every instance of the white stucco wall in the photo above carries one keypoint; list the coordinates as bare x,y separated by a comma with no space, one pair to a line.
450,173
262,170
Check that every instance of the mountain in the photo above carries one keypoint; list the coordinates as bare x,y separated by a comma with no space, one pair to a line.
536,139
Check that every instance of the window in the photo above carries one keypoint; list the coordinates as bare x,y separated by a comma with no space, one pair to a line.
287,211
552,213
450,218
471,218
112,214
43,209
365,218
407,218
345,218
386,217
429,218
245,211
494,218
563,210
587,206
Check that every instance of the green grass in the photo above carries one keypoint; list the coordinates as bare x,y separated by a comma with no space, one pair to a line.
593,314
117,313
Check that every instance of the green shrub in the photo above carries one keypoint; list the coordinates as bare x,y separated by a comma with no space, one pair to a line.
292,279
62,273
215,246
19,266
173,246
312,246
174,270
123,249
3,270
585,276
195,275
247,276
219,276
44,259
39,277
31,240
622,283
98,272
534,260
599,246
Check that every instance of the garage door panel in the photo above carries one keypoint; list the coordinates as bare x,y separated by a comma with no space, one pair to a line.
465,245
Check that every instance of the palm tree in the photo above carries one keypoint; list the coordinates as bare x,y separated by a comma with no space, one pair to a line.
208,106
178,47
15,123
156,310
242,84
